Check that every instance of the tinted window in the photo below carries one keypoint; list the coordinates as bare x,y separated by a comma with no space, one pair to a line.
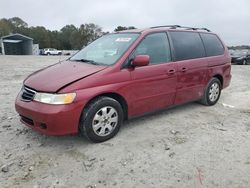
212,44
156,46
187,45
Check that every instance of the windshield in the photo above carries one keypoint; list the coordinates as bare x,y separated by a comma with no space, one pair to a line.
106,50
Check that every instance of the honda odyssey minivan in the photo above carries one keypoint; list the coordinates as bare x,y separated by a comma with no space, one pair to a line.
123,75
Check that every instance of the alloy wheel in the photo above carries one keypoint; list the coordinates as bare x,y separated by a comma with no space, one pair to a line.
105,121
214,92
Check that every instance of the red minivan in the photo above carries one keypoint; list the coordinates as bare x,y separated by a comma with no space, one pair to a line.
123,75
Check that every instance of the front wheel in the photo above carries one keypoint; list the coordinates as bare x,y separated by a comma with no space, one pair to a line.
101,119
212,92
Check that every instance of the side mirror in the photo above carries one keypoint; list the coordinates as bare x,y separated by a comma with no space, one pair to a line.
140,60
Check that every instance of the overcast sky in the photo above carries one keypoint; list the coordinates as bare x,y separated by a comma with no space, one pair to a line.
228,18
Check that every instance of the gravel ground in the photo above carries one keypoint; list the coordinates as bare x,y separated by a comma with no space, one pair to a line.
186,146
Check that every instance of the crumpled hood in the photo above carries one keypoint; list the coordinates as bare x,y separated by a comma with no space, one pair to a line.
55,77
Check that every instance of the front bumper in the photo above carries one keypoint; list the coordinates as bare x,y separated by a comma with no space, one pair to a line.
49,119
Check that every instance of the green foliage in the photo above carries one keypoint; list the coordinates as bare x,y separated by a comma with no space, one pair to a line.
121,28
67,33
69,37
5,27
17,22
40,36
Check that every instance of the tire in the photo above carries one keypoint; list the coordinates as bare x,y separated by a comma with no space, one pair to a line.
103,113
212,92
48,53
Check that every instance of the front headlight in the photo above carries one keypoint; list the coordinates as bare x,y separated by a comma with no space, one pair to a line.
49,98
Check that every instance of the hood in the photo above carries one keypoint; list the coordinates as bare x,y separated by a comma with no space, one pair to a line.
55,77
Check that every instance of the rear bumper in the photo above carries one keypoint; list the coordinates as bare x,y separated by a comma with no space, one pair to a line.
49,119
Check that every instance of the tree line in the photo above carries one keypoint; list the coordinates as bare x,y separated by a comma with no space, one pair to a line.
70,37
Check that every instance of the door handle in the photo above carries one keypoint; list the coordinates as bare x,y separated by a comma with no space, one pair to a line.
171,71
184,69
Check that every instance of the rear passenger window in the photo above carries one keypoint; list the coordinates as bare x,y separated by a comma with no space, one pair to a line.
187,45
212,44
156,46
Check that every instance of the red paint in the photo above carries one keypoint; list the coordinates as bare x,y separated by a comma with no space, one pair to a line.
58,118
140,60
144,88
56,76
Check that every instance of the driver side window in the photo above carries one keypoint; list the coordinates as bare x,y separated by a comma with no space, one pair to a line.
156,46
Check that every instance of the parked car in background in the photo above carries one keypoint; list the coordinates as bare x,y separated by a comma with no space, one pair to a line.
124,75
51,51
241,60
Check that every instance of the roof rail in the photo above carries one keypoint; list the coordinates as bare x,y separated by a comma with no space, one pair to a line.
181,27
171,26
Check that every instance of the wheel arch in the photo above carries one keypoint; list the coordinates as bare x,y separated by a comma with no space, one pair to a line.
220,77
115,96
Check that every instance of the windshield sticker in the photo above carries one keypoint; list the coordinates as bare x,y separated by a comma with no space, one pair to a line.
123,39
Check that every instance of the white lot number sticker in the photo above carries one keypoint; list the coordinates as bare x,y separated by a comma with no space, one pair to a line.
123,39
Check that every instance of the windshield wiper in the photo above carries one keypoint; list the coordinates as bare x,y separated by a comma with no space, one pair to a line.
86,61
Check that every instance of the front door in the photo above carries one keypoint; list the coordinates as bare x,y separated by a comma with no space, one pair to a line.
154,86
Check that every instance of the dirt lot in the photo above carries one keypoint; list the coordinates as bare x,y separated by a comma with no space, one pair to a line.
186,146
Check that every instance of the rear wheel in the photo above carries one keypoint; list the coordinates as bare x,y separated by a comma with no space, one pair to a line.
101,120
212,92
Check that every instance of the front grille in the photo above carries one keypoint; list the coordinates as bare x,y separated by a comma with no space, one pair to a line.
27,94
27,120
